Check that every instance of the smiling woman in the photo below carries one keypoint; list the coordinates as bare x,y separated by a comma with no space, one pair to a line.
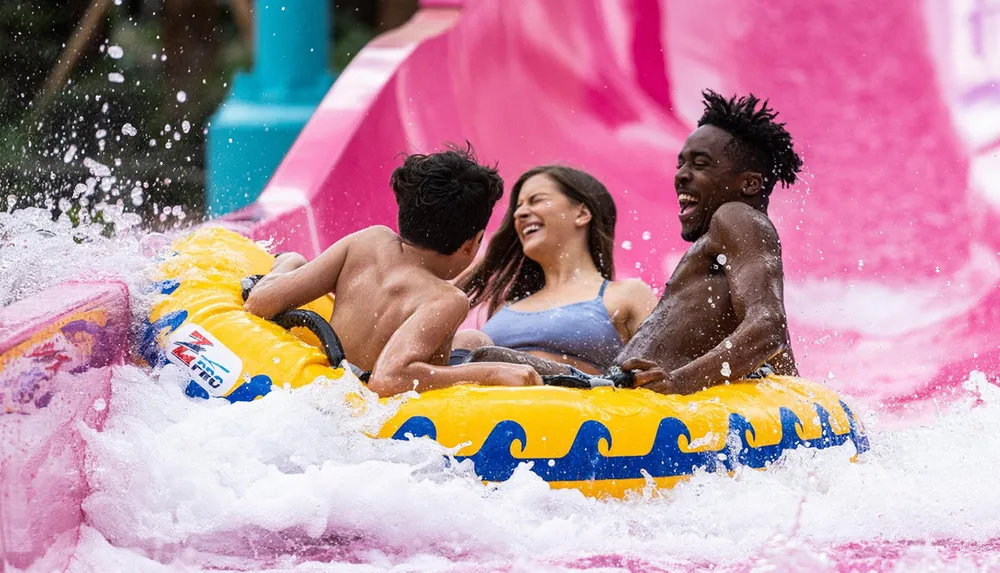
548,275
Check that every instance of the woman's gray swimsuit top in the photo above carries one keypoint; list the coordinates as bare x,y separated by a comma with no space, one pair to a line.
582,330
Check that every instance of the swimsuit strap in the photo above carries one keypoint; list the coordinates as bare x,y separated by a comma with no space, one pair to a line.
604,285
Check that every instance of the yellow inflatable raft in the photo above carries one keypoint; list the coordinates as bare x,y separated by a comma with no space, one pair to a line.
604,441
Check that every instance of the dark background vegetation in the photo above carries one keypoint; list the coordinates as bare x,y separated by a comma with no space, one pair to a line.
194,46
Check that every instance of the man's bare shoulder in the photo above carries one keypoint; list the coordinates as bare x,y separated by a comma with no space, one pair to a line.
379,233
740,224
371,240
443,297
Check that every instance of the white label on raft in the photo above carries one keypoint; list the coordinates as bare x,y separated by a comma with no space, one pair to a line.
213,366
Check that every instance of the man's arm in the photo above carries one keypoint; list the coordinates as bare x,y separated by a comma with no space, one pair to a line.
406,362
752,263
294,284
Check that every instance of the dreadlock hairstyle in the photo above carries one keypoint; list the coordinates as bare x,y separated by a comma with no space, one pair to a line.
759,143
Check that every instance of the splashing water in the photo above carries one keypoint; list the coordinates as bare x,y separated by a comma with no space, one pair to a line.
293,476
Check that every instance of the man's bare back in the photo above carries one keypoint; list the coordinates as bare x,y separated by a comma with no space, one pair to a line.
377,292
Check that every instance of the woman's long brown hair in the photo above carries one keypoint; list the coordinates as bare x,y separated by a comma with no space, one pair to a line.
505,274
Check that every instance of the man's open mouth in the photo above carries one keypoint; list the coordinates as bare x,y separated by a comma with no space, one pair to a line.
687,203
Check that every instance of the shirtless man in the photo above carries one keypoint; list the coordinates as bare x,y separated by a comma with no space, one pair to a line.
722,315
395,312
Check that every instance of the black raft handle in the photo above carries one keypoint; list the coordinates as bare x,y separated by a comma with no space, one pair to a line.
308,319
317,325
248,283
615,377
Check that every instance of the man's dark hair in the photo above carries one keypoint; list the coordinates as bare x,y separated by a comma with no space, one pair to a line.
759,143
444,198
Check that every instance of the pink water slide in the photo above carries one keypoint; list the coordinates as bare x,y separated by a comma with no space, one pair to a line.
890,239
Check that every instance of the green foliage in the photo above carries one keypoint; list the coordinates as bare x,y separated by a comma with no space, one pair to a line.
42,151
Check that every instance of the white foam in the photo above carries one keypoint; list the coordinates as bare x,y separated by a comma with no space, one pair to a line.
296,469
180,483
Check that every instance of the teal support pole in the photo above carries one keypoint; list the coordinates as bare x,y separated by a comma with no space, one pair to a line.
267,108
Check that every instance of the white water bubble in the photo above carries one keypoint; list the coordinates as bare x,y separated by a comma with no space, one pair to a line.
97,169
726,370
136,196
721,259
646,235
116,52
70,154
728,344
101,133
129,130
627,245
182,96
185,126
116,78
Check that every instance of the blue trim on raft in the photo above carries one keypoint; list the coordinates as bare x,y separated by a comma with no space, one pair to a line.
584,461
257,387
149,346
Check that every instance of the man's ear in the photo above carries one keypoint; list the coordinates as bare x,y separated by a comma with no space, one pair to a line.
751,183
471,247
584,216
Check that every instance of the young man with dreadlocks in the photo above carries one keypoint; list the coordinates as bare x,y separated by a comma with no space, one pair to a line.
722,315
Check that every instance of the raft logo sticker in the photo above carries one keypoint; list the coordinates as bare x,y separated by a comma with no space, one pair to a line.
213,366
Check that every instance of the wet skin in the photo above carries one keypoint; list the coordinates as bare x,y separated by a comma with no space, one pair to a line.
722,313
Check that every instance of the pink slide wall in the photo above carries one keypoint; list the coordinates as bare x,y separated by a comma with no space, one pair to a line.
890,239
56,354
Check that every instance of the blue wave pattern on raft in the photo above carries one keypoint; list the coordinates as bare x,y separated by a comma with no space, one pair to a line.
584,461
